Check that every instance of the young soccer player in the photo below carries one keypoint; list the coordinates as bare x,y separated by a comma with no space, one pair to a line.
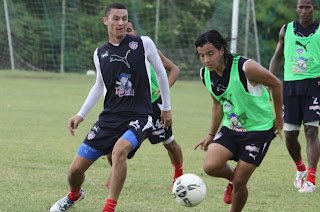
241,103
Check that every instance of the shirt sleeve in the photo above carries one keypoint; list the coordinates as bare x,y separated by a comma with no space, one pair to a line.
154,58
96,90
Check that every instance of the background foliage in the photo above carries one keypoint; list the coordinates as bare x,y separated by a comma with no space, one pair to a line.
36,30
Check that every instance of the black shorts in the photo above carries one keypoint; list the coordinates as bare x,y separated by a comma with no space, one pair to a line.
105,132
301,101
156,133
250,147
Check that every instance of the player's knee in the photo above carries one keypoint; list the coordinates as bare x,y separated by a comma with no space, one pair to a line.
211,169
75,171
311,133
291,136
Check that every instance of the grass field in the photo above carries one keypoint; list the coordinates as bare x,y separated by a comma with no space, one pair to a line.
37,149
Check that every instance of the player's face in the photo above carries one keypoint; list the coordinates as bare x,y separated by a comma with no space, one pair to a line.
130,29
116,22
211,57
305,10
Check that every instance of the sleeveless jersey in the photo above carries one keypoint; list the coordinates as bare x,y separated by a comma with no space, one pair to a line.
243,111
125,76
302,59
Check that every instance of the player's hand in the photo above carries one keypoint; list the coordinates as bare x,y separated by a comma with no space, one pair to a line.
278,125
204,143
73,123
318,77
166,118
157,93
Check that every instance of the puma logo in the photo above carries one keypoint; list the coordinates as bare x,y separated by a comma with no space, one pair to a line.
304,46
121,59
253,156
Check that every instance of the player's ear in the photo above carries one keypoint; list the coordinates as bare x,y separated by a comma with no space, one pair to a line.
105,20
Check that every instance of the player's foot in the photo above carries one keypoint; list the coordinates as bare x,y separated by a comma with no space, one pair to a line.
174,180
300,178
227,193
65,203
307,187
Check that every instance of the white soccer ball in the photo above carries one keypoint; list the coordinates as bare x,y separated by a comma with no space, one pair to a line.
189,190
91,73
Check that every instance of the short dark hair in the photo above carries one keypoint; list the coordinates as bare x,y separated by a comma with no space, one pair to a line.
129,21
114,5
313,2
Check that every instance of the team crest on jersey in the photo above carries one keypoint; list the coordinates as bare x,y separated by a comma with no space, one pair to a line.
125,85
133,45
299,50
91,135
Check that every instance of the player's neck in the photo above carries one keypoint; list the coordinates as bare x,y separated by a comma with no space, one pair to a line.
115,39
307,23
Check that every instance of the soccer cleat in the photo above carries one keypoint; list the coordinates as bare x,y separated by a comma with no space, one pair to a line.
174,180
227,193
65,203
307,187
300,179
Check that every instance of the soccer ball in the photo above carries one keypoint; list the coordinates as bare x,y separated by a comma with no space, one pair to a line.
189,190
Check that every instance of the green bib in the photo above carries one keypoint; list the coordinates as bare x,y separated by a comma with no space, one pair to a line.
243,112
154,85
302,55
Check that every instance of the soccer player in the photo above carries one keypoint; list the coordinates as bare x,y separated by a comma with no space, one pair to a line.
299,44
236,85
158,134
123,123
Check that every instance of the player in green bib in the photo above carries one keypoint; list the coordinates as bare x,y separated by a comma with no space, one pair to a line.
241,104
158,134
299,45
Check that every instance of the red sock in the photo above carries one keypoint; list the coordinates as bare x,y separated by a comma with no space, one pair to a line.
312,175
300,165
178,170
110,206
75,194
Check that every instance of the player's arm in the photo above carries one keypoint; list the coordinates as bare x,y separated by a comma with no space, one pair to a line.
172,68
92,98
276,59
216,119
258,74
162,79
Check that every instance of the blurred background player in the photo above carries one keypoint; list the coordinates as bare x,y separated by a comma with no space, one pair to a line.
157,133
122,126
299,44
236,87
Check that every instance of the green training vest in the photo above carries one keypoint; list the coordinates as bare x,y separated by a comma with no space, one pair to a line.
243,112
302,55
154,85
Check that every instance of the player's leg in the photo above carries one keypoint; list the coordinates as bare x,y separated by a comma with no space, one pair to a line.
215,161
242,173
311,125
174,152
85,157
313,149
119,167
293,116
110,163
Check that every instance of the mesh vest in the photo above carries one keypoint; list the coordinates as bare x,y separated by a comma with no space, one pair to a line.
302,55
242,111
154,85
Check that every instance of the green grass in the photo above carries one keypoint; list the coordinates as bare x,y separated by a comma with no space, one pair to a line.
37,149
